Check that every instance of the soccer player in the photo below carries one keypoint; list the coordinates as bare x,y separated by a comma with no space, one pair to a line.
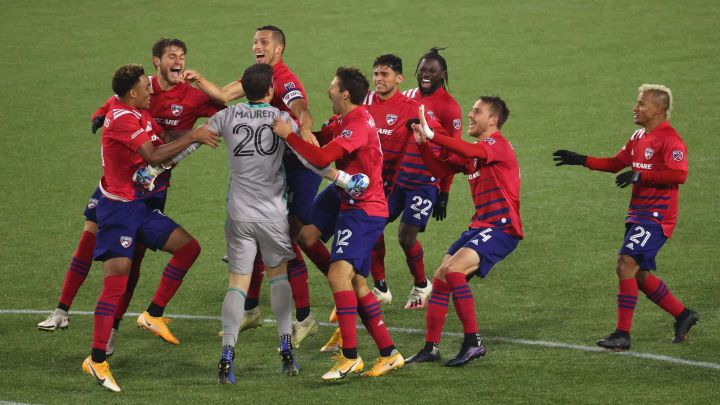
432,77
495,229
657,157
268,47
175,106
409,185
129,141
355,222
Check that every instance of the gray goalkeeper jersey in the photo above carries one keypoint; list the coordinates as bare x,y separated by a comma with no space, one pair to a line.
257,181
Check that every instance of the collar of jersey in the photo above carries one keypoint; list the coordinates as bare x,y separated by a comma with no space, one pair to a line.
255,104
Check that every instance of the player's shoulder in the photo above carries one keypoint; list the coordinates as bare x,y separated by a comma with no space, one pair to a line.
411,93
369,98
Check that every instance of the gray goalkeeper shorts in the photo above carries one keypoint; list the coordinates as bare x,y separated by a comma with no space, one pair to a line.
245,238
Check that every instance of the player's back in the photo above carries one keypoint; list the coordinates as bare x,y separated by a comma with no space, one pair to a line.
257,184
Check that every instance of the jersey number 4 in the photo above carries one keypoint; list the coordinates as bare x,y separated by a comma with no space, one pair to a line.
251,141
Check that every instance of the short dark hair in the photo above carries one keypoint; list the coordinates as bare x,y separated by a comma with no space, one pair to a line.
125,78
497,107
256,80
434,54
278,34
352,80
163,43
389,60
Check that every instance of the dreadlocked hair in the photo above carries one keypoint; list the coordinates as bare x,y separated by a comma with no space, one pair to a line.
434,54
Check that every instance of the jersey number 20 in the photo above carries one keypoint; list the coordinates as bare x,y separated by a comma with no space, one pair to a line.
251,141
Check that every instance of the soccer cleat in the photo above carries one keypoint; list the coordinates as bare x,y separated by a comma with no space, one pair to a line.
418,297
683,325
303,329
157,326
101,373
225,259
343,366
334,343
111,343
226,366
252,319
425,356
615,342
383,297
384,365
57,320
466,354
289,364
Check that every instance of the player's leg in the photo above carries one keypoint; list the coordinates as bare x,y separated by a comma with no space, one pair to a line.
253,314
627,268
657,291
396,205
77,270
160,232
418,207
124,302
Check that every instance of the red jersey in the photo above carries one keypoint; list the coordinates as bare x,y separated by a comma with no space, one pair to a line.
402,163
287,89
357,135
176,109
441,106
661,149
125,130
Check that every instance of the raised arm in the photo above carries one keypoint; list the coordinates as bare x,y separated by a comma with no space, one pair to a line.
230,92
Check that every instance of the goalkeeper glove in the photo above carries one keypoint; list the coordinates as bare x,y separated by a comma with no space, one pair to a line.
440,210
97,122
355,184
625,179
566,157
145,176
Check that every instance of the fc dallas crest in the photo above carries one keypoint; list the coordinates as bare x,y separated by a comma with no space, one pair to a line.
391,119
176,109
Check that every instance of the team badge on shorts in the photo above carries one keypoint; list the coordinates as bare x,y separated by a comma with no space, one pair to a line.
391,118
678,155
125,241
649,153
92,203
176,109
457,124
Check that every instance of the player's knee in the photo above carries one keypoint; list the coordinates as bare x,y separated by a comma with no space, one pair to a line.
626,267
407,240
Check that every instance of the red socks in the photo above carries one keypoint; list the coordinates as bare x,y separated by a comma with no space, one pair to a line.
626,300
436,311
657,292
131,283
463,300
319,255
174,273
113,289
371,316
346,304
377,259
415,261
78,269
298,279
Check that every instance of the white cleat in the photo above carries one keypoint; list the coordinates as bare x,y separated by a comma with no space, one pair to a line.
301,330
57,320
383,297
251,319
111,343
418,297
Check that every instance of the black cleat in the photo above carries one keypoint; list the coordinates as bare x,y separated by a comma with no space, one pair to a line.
424,356
685,321
615,341
466,354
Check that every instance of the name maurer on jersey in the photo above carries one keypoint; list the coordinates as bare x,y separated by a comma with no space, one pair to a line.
259,113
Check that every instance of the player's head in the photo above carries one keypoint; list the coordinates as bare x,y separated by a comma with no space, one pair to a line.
132,85
348,87
268,44
431,71
257,81
488,114
169,59
387,74
654,104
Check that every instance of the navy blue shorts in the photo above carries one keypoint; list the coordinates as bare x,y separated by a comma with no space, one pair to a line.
123,224
302,185
414,205
325,210
643,242
491,244
355,233
155,201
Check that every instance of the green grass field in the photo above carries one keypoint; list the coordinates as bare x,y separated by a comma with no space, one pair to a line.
569,71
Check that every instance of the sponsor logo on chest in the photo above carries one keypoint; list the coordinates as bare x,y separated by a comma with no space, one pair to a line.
176,109
383,131
646,166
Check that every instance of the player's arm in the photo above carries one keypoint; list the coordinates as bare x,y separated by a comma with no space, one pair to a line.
453,126
98,117
155,155
315,155
300,109
225,94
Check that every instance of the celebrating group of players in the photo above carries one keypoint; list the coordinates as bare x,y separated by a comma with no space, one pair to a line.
395,155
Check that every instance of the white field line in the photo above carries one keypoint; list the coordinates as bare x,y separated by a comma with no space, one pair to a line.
414,331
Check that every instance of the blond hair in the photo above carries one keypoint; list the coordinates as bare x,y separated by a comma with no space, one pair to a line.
661,94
